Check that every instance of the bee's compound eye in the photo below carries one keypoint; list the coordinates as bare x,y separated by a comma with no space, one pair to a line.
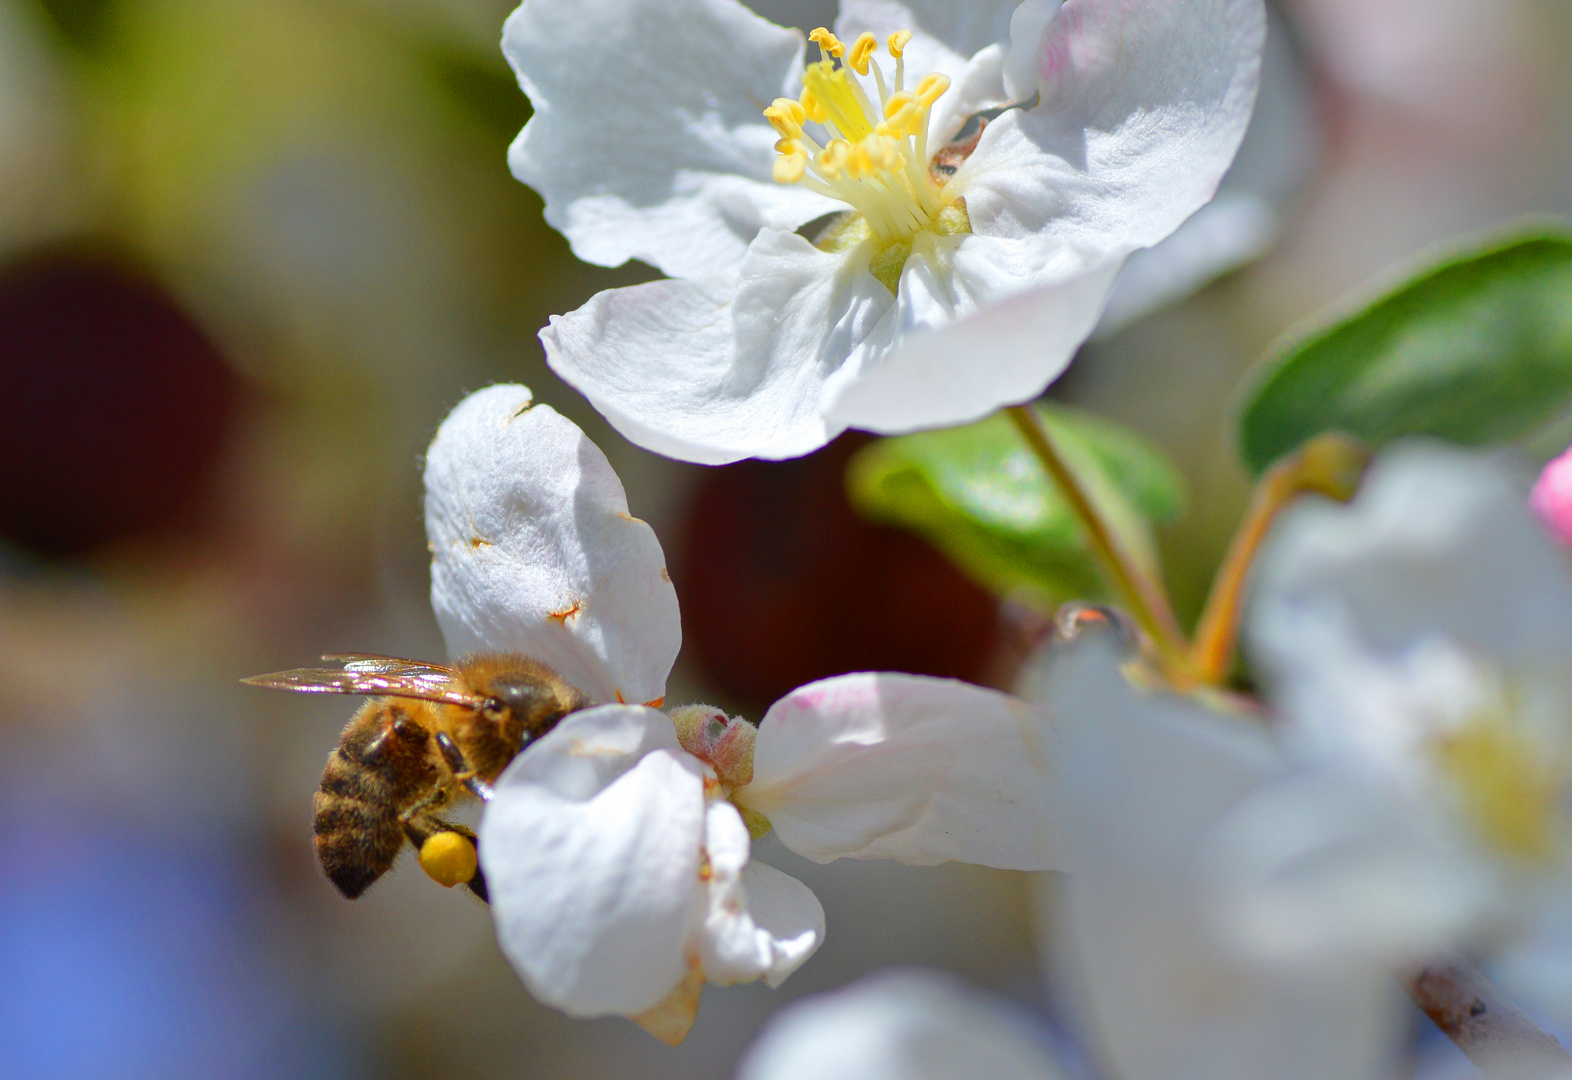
525,696
449,859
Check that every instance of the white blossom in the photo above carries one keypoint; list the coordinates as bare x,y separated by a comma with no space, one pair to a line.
617,848
1149,781
689,134
900,1025
1417,648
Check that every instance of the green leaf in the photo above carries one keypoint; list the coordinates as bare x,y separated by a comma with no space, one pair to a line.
1476,349
979,494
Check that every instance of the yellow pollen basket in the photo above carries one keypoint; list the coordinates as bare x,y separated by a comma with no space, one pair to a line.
449,859
875,158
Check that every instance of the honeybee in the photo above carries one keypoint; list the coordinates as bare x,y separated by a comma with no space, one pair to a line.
432,736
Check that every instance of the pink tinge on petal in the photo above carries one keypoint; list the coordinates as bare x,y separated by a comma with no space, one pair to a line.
1551,498
1074,45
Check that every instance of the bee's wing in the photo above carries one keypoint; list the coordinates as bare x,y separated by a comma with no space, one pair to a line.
376,664
426,682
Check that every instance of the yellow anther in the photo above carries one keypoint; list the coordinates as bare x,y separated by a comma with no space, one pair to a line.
789,147
872,154
931,87
904,115
449,858
831,161
827,42
887,152
858,163
786,117
864,47
897,102
812,108
897,42
789,168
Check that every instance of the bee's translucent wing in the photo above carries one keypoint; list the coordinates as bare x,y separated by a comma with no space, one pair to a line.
376,664
427,682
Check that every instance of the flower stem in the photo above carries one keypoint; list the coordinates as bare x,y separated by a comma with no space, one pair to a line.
1145,597
1488,1028
1328,464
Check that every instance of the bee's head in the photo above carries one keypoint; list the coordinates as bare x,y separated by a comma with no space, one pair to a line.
526,703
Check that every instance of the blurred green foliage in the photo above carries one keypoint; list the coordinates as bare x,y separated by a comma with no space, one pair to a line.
1475,348
981,496
84,23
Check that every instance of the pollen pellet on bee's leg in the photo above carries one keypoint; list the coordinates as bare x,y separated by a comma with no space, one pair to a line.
449,859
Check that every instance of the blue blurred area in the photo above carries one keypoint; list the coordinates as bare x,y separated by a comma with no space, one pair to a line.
127,957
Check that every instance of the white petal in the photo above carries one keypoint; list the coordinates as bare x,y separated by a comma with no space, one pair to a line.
761,922
591,852
648,139
1166,1002
1318,868
983,322
533,550
1439,540
903,767
1029,24
705,372
965,41
1144,104
901,1025
962,30
1276,160
1144,779
1536,971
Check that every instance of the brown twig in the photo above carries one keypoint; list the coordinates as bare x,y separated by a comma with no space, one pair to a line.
1489,1029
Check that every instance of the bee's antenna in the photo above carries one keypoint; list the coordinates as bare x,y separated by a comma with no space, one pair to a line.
460,765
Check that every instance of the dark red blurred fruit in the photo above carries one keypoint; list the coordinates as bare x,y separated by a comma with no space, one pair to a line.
781,583
113,404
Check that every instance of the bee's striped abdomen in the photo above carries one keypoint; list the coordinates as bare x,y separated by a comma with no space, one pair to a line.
379,766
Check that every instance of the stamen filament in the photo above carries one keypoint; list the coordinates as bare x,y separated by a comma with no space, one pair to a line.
878,78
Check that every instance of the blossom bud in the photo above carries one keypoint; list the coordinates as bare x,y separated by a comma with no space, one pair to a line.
724,742
1551,497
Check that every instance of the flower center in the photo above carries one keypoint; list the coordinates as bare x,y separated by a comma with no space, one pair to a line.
875,158
1508,790
1506,782
725,744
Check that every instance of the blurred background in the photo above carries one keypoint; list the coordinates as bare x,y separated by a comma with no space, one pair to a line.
251,254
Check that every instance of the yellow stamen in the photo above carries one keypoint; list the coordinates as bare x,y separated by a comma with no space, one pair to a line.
786,117
789,169
832,159
931,87
904,116
864,47
874,153
832,89
811,107
1506,787
859,163
827,42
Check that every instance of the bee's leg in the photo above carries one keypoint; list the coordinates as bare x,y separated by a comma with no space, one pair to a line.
460,766
449,852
